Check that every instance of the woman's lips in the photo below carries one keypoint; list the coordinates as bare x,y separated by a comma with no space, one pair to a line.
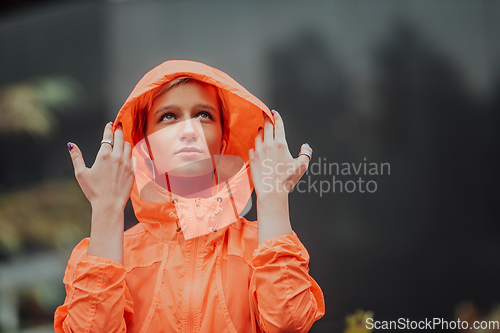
189,154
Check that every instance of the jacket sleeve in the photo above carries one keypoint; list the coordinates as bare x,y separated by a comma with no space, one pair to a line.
97,297
285,297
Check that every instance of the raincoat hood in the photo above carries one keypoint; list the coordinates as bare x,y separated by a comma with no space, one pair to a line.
167,215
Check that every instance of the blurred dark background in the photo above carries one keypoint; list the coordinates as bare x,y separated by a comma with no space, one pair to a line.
415,84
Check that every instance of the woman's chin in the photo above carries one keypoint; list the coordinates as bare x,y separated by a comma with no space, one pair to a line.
188,172
192,169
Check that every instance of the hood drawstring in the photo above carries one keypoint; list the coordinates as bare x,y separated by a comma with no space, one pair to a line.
219,199
174,216
217,213
218,210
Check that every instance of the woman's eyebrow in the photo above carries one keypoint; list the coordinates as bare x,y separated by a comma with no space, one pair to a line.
206,106
165,107
170,107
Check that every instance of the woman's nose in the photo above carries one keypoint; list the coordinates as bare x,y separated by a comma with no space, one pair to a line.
188,130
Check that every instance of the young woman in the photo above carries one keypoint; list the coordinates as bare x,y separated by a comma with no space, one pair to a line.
188,147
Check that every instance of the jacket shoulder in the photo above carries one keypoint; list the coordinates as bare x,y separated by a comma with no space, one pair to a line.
140,248
242,239
81,247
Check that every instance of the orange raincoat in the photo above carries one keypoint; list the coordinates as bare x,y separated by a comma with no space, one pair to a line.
220,281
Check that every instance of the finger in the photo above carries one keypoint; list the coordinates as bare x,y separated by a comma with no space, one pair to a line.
304,160
107,135
279,127
268,132
258,140
77,158
118,140
250,155
134,164
127,149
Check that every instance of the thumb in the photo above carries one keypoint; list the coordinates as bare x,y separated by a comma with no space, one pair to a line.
76,157
303,158
134,164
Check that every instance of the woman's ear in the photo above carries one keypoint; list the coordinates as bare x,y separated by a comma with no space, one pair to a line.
223,147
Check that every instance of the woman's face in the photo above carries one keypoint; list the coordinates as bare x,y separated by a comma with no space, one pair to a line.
184,129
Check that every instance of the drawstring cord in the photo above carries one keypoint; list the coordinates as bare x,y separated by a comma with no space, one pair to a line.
217,213
175,217
219,199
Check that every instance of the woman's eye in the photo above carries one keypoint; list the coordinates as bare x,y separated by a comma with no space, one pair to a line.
204,114
167,116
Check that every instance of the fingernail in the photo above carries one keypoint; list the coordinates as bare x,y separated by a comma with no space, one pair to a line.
111,123
307,145
273,111
70,146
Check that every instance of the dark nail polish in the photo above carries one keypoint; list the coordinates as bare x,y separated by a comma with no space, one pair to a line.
70,146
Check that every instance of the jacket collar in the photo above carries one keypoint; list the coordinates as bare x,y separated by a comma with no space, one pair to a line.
174,218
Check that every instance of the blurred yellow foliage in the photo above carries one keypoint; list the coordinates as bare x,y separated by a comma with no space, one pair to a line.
470,312
29,106
356,323
54,214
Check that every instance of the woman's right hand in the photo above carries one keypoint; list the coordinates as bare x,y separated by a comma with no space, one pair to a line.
108,183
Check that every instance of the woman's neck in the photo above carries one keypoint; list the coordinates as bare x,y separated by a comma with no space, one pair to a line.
188,187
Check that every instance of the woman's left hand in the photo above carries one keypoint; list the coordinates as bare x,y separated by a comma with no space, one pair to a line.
273,168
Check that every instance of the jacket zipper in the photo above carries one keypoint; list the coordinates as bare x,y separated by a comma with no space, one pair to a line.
194,262
192,286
